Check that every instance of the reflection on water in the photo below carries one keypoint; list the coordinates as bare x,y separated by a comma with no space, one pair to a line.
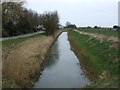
53,56
62,68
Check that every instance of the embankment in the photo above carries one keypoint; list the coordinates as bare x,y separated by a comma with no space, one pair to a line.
23,63
99,59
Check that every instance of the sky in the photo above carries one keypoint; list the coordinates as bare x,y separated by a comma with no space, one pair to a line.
102,13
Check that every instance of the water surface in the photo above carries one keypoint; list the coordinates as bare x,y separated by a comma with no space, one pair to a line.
62,68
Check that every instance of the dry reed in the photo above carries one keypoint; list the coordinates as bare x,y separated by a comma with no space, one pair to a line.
24,62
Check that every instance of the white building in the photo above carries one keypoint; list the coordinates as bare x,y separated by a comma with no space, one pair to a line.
40,27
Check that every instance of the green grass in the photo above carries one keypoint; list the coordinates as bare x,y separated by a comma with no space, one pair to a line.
8,43
107,32
99,56
110,83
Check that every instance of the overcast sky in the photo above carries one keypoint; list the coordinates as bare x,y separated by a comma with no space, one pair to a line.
80,12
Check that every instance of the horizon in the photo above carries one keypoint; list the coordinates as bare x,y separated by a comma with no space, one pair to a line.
82,13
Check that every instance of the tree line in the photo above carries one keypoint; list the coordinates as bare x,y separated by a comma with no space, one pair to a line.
17,20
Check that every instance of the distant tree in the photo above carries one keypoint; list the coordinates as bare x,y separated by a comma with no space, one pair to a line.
16,19
10,28
115,27
23,25
50,20
118,27
95,27
67,24
71,26
11,13
88,27
61,26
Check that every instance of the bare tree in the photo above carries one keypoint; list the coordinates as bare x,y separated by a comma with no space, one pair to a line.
51,22
19,20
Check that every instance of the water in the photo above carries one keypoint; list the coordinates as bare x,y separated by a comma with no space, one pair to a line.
62,68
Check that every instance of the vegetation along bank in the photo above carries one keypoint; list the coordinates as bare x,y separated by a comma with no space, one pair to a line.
23,61
98,56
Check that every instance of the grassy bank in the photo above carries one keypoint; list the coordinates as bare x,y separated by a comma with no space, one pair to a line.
99,59
7,47
23,63
107,32
14,42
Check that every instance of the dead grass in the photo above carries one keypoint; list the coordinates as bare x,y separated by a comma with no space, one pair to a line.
0,66
24,62
100,37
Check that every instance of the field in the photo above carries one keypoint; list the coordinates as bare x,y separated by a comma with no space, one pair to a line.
99,59
107,32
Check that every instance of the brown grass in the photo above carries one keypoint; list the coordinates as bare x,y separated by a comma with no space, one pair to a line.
24,62
0,66
100,37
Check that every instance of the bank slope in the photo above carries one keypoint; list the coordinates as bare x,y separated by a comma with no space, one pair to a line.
99,59
23,62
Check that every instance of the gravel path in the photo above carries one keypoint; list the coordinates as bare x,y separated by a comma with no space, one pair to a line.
24,35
